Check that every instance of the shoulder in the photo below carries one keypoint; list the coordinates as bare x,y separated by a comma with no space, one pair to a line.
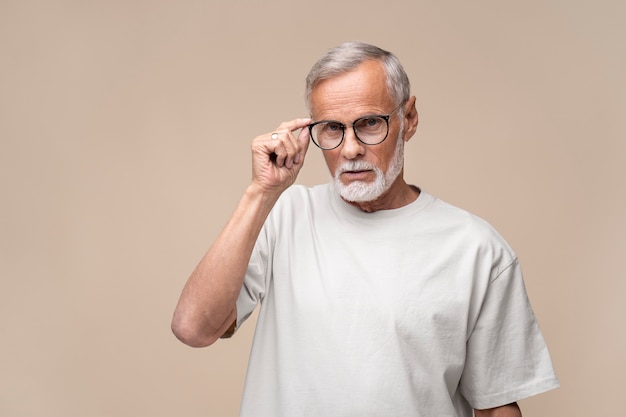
298,202
466,228
302,196
456,217
303,191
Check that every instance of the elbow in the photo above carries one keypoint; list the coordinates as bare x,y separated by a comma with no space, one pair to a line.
191,335
509,410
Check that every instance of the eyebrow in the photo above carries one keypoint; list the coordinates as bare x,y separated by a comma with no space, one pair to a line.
358,118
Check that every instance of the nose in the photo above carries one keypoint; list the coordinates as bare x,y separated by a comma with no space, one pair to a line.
351,146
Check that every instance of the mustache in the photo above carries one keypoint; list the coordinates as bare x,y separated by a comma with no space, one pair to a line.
355,166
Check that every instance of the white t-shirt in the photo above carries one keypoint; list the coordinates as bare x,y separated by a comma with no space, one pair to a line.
416,311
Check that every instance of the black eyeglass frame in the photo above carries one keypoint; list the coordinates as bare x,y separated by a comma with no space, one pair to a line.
385,117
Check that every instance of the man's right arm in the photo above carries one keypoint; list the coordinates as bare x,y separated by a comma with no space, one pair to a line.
206,308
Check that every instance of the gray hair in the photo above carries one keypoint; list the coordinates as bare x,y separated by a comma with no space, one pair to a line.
348,56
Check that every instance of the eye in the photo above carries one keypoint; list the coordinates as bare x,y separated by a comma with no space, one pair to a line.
333,126
329,130
370,123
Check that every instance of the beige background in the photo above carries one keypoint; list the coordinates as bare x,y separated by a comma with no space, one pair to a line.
124,145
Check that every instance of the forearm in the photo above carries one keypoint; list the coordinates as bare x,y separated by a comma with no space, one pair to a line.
206,307
509,410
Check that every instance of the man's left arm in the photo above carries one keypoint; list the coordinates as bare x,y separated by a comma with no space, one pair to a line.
509,410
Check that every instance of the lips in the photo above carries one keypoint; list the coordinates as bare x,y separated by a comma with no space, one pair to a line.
356,175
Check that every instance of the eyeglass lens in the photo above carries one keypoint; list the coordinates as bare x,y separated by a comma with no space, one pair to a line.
370,130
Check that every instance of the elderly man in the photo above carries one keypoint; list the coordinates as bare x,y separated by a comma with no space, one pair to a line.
376,298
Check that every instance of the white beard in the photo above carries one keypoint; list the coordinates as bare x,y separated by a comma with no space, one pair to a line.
360,191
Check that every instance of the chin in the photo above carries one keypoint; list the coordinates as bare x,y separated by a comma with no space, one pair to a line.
361,192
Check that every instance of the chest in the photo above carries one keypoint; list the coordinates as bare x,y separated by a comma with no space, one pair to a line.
412,288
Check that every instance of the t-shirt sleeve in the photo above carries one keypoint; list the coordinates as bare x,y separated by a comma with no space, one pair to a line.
507,358
257,274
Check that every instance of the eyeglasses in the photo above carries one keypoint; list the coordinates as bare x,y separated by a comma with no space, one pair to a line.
369,130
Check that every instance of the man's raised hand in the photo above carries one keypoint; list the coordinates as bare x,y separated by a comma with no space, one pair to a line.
278,156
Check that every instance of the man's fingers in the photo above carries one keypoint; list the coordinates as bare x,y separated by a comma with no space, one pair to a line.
295,124
290,150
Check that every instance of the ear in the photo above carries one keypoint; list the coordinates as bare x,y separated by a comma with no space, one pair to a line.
410,119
